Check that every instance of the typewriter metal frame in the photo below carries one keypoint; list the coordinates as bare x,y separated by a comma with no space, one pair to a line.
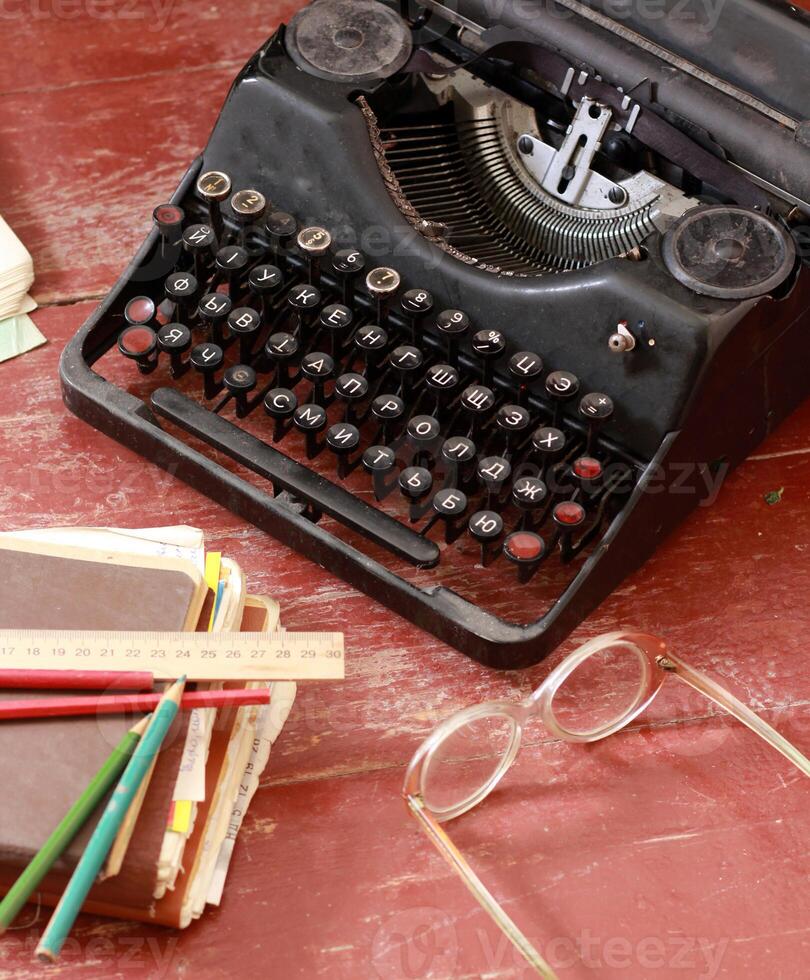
757,377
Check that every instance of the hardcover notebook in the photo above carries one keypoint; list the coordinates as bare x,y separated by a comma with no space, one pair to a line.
177,856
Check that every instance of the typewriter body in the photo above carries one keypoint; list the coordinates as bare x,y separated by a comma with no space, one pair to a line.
472,310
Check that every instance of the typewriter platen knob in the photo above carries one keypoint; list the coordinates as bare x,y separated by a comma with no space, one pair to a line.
381,284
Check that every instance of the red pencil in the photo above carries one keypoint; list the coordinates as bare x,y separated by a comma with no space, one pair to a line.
124,703
87,680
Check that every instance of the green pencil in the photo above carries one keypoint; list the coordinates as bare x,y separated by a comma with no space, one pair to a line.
98,847
73,821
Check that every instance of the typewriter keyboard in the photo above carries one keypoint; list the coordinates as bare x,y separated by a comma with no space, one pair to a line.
362,402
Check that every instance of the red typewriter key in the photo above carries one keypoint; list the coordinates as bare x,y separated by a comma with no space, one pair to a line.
526,550
139,344
588,471
139,310
168,220
568,514
213,187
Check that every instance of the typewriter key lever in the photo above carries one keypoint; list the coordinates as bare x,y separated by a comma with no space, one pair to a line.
381,284
314,242
213,187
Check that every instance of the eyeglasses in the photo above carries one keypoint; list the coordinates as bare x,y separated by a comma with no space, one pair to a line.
596,691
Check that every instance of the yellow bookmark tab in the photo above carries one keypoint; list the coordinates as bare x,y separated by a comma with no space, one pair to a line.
213,564
181,816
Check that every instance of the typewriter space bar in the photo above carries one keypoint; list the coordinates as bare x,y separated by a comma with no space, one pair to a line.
284,472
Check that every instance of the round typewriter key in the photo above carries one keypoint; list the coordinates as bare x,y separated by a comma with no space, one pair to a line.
488,345
449,502
568,514
452,325
406,361
371,341
379,459
248,206
529,492
230,262
314,242
302,300
458,449
280,403
213,309
548,441
280,349
347,264
265,279
525,367
310,419
351,388
513,418
561,385
240,380
423,429
180,287
139,310
317,367
281,228
415,482
207,359
587,468
442,377
175,339
139,343
244,321
387,408
416,304
596,407
493,472
213,187
526,549
486,526
381,284
477,400
168,220
336,319
200,241
343,439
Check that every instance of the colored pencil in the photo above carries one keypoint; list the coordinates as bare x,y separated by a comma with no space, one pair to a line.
73,821
82,680
118,704
103,837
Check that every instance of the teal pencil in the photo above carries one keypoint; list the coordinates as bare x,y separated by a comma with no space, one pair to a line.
109,824
72,822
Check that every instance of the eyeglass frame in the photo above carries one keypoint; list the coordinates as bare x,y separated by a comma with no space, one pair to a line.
656,663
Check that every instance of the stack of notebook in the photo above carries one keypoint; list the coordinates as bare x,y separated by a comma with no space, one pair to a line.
172,858
18,333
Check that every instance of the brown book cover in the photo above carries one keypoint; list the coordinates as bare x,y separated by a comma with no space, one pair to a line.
46,764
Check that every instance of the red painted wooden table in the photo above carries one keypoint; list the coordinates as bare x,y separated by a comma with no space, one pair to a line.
675,849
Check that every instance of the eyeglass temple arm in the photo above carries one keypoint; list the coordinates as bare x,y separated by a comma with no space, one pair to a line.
456,860
713,691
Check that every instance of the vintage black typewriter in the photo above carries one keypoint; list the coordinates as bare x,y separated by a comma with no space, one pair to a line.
471,303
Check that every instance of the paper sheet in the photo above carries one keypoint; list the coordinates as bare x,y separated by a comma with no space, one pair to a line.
18,335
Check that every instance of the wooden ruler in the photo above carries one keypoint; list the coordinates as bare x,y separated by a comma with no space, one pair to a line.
278,656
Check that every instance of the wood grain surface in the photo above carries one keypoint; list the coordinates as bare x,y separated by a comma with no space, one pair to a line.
675,849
